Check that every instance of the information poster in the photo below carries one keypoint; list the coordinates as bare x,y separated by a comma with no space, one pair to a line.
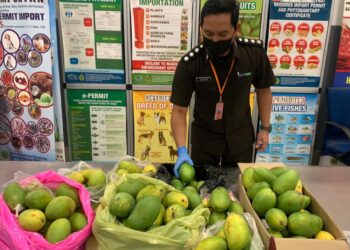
293,125
57,94
154,139
97,124
26,98
342,73
297,40
249,22
161,35
92,41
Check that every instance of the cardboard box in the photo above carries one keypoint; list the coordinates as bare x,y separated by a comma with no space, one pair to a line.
291,243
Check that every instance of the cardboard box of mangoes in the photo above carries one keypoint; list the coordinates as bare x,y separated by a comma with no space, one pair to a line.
286,208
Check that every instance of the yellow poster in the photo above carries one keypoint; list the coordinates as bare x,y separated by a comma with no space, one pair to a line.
153,138
251,102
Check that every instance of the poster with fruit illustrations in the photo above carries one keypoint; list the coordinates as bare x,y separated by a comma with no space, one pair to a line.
153,137
26,96
296,43
249,21
293,126
342,72
160,36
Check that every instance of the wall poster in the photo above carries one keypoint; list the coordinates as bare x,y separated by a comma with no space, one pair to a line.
161,35
153,138
92,41
342,72
97,124
293,125
297,40
26,98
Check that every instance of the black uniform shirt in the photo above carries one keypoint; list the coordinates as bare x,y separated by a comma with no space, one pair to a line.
193,74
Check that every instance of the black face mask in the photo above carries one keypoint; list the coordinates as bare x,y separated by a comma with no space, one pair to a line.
217,48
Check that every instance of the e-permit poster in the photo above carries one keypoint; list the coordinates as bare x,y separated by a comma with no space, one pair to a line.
153,138
297,41
92,38
26,84
161,34
293,124
97,124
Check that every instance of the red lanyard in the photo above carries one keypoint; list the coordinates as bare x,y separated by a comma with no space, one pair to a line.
221,90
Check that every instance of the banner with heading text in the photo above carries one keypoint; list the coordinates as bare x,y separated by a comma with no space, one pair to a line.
27,130
97,124
161,34
153,137
297,39
92,41
293,128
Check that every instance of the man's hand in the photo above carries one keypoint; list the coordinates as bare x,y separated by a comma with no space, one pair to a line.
262,140
181,158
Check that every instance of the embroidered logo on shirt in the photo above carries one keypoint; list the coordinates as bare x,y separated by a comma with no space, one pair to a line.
244,74
203,79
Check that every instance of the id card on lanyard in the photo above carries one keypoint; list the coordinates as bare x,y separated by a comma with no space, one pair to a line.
219,108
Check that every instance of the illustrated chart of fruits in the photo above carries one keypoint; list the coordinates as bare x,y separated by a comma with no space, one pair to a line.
342,73
92,41
153,137
297,38
97,124
26,98
249,22
161,35
293,124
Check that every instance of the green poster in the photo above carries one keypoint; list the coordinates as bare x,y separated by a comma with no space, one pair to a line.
249,22
97,124
92,32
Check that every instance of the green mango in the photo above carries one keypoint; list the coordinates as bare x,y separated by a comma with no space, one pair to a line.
286,181
14,195
219,199
144,213
60,207
59,230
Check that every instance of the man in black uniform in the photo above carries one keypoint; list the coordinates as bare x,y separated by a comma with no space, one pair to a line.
220,72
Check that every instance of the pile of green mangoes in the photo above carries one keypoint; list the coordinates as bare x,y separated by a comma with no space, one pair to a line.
130,166
235,233
142,206
53,213
89,177
277,196
249,25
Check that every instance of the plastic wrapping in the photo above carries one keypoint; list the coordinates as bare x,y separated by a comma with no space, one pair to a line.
95,192
177,234
12,236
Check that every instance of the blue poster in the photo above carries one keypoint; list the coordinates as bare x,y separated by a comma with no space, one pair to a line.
26,84
56,81
293,124
297,39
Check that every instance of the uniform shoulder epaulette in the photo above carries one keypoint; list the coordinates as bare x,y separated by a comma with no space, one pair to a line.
249,42
192,53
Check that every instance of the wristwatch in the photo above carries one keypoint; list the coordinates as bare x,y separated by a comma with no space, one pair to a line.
266,128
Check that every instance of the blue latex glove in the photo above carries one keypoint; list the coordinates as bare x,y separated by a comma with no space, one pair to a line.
182,157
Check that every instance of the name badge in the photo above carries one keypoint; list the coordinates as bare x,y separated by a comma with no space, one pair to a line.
244,74
203,79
